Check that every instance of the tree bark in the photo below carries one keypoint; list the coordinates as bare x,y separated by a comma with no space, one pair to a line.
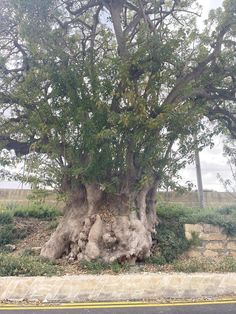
101,226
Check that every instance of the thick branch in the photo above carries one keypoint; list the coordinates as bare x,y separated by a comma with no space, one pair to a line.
225,116
197,72
84,8
20,148
115,8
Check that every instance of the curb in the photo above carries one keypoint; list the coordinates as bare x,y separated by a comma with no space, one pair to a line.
132,287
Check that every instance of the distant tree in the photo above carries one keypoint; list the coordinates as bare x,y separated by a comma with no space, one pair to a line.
230,152
102,97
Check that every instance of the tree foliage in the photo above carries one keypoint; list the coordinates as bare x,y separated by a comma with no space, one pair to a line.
111,92
230,153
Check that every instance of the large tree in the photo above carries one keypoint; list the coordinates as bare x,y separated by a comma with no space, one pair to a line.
102,98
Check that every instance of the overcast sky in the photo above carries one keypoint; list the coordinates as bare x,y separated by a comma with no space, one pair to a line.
212,160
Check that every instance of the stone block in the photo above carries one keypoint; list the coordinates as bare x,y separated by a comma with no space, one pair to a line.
207,228
232,254
194,253
209,253
215,245
36,249
212,236
188,235
231,245
193,228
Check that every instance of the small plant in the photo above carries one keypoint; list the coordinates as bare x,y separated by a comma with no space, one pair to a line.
53,225
116,267
228,210
28,252
11,206
195,240
228,264
156,259
5,218
26,266
95,267
5,249
38,196
171,241
98,266
9,234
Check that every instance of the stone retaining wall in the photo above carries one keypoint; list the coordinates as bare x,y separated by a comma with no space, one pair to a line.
214,242
145,286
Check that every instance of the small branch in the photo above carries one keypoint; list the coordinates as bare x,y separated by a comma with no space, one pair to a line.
197,72
81,10
133,24
146,18
20,148
24,54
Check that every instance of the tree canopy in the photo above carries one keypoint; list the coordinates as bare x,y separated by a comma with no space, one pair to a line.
102,90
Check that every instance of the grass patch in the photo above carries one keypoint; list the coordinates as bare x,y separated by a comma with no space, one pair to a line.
40,211
98,266
227,264
37,211
28,252
9,234
6,218
5,249
26,266
156,260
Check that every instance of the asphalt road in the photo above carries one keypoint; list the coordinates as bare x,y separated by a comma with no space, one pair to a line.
226,307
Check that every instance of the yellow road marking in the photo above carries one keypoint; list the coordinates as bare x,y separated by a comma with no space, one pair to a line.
109,305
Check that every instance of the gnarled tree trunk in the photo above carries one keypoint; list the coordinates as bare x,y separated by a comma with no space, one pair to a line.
99,225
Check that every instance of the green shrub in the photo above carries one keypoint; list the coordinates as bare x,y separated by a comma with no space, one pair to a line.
9,234
171,240
227,210
26,265
5,218
195,240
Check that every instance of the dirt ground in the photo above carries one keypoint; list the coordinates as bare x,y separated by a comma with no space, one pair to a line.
39,231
